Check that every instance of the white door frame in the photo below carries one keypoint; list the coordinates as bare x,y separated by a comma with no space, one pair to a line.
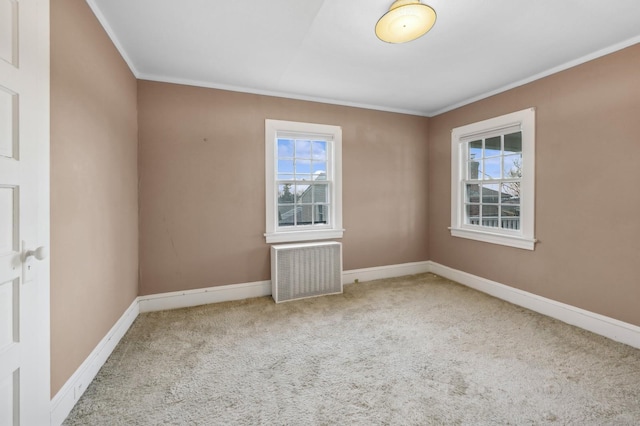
24,172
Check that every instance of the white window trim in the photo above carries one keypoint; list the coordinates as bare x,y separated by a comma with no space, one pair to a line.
334,230
524,238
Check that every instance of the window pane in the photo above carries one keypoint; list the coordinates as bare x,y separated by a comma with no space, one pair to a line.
513,143
303,149
303,194
511,193
322,214
320,150
512,166
474,168
492,146
303,169
491,168
473,193
305,214
510,217
284,177
285,166
490,193
475,150
489,211
285,148
490,216
285,194
319,171
320,193
286,215
472,214
511,211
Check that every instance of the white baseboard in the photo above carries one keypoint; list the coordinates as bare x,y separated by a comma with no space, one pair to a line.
382,272
68,395
605,326
203,296
73,389
66,398
225,293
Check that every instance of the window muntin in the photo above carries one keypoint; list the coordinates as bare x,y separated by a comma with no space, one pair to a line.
303,181
493,180
492,184
301,178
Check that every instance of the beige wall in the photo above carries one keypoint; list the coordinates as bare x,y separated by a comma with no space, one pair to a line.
587,199
202,201
94,211
202,213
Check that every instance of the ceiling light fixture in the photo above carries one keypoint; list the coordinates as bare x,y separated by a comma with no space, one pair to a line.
406,20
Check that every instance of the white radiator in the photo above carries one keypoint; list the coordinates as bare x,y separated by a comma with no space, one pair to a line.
305,270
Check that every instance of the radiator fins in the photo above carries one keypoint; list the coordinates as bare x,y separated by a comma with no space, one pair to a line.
305,270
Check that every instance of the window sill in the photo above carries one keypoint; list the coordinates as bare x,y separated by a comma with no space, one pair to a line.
292,236
517,241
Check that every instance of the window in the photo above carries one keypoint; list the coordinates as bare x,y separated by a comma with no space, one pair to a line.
492,180
303,181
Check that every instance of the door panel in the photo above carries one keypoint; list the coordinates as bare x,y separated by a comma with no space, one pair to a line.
8,237
9,31
8,123
9,314
10,399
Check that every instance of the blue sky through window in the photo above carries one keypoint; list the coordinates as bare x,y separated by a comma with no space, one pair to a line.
301,159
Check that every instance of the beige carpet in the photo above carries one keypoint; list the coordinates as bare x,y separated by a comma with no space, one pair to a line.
415,350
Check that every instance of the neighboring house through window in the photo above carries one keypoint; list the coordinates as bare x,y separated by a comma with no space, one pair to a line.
492,180
303,181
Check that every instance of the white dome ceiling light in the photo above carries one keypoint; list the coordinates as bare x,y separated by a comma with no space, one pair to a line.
405,21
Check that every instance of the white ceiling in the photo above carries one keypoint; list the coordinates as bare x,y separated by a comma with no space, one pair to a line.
326,50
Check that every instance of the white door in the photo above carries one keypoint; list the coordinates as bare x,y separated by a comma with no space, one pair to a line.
24,212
